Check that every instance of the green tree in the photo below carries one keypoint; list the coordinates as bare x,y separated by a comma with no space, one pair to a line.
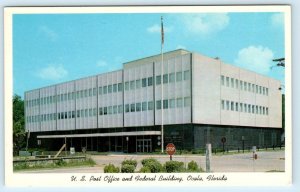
19,134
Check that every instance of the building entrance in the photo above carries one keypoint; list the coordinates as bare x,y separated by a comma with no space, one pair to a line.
143,145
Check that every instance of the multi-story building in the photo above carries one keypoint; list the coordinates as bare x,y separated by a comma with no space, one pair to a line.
199,99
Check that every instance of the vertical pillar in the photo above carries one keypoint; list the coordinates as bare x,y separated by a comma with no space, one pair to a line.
208,157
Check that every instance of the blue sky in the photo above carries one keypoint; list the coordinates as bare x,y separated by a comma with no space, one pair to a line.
53,48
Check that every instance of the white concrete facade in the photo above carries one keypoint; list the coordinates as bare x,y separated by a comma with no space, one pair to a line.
196,89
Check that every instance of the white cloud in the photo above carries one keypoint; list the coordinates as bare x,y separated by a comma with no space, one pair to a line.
157,29
205,23
255,58
101,63
180,47
53,72
49,33
277,19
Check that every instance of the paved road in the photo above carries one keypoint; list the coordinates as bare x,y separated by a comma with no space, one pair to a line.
267,161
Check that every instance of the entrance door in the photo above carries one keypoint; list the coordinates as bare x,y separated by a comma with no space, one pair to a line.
143,145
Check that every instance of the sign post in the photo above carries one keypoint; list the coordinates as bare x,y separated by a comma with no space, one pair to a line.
170,149
208,157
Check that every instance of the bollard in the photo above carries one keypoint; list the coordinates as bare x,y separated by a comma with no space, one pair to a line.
273,147
208,157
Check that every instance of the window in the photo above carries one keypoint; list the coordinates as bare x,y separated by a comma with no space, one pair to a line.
227,105
172,103
165,78
115,88
249,108
138,107
253,109
236,107
222,80
126,86
109,110
245,86
90,92
95,112
267,111
120,109
52,101
245,107
264,91
256,109
100,90
241,85
158,80
94,91
158,104
73,114
260,111
132,85
260,90
138,83
100,111
249,87
132,107
264,110
150,105
267,92
241,107
81,113
232,83
223,104
85,93
232,106
172,77
256,88
90,112
187,101
115,109
237,84
186,75
66,115
178,76
127,108
165,104
105,90
104,110
86,113
227,81
109,89
150,81
144,82
144,106
179,102
120,87
253,88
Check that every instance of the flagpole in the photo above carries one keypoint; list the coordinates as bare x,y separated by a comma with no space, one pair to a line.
162,83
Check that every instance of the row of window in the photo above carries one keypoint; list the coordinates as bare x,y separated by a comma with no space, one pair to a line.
143,106
243,85
118,87
244,107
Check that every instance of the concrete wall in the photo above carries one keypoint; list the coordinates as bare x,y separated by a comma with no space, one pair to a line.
239,89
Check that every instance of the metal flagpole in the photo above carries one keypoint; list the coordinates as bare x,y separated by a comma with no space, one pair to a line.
162,90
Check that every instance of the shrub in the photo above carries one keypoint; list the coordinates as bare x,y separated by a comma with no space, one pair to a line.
153,165
126,168
110,168
130,162
145,170
174,166
193,166
60,162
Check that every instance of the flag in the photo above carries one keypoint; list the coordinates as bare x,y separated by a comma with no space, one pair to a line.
162,32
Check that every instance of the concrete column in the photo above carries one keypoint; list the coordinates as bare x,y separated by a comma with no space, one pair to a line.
208,157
